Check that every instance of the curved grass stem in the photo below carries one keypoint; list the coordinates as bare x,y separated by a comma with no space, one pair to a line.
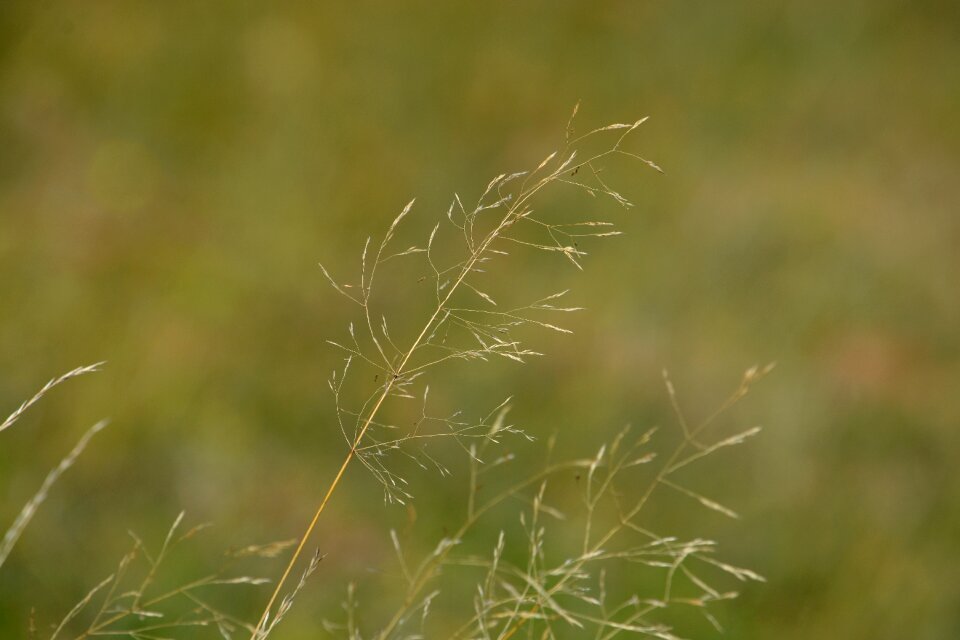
517,209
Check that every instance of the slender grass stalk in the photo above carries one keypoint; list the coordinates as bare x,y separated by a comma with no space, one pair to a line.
26,514
79,371
672,464
517,209
30,508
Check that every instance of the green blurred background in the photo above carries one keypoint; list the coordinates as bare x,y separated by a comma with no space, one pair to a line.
172,172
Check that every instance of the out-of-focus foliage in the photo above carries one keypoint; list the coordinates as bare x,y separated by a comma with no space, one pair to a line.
172,172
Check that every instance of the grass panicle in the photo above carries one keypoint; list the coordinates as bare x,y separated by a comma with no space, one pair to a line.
33,504
525,581
29,510
79,371
465,321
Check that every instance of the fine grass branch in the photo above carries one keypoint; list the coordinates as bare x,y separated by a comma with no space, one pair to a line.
13,533
502,215
79,371
30,509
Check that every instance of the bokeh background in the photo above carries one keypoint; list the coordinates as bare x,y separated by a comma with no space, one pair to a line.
172,172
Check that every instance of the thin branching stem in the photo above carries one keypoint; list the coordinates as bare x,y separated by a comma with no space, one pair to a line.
388,387
517,209
668,467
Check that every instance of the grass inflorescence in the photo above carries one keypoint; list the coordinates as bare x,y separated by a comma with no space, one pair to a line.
525,583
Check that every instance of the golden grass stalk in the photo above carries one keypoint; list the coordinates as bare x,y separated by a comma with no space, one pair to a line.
556,167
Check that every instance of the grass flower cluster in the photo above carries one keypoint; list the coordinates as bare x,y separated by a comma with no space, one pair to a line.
581,562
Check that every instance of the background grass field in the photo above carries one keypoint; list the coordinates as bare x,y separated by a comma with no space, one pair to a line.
171,173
